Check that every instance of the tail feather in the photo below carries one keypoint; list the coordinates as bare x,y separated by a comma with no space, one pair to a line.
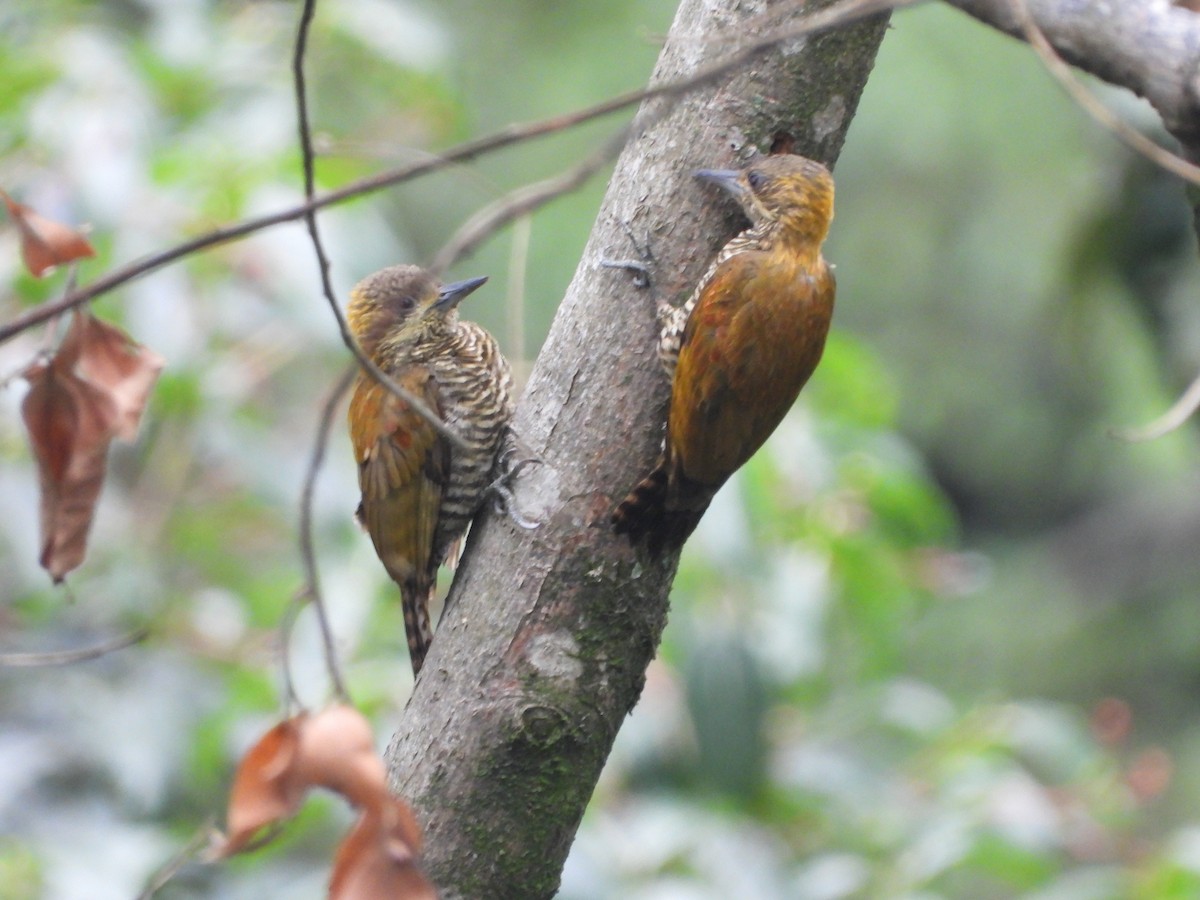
414,601
654,513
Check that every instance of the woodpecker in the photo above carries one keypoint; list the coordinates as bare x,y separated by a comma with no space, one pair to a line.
740,349
419,491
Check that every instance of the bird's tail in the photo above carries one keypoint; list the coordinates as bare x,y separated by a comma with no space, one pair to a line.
414,601
651,513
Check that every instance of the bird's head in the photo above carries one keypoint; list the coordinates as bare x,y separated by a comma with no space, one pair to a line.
404,306
790,192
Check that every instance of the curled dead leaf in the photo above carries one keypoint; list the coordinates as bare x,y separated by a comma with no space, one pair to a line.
338,753
265,790
115,363
70,427
93,389
333,749
378,860
44,242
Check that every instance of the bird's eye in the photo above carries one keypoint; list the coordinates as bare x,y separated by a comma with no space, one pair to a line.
757,180
407,303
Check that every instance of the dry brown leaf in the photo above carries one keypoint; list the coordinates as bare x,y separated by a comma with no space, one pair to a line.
377,860
117,364
70,424
334,749
92,390
44,242
338,752
265,789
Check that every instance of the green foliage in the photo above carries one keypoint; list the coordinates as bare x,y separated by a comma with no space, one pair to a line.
795,623
886,637
20,872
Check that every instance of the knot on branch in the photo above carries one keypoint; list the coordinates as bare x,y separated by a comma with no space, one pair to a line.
543,727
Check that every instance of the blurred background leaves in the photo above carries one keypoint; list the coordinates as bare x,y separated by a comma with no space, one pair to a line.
937,640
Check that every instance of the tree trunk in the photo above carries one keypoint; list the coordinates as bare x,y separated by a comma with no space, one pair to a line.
544,645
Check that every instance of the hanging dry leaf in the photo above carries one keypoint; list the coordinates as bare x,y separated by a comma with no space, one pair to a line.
44,242
93,389
378,860
115,363
333,749
338,753
70,424
265,789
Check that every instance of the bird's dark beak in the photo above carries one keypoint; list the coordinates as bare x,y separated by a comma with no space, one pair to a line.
727,179
454,292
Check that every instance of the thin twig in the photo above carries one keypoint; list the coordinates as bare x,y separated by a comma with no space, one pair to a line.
1181,410
1061,71
821,20
308,551
175,864
287,625
1186,406
523,201
67,657
513,134
310,220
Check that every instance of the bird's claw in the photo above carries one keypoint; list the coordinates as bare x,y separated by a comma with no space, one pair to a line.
640,267
641,272
504,501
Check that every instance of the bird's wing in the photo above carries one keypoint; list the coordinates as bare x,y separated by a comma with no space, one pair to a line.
752,341
403,466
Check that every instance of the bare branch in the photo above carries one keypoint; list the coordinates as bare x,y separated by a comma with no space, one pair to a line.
1148,46
1182,410
518,265
1151,47
1057,67
67,657
308,553
821,20
310,222
522,202
172,867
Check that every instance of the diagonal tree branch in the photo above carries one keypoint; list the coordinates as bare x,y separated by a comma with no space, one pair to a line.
1062,73
1151,47
547,633
831,16
312,589
68,657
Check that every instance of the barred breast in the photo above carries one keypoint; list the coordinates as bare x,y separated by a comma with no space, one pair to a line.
474,383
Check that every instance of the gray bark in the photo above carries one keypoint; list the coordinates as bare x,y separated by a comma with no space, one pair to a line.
547,635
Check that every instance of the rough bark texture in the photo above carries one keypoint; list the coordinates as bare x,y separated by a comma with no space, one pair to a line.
543,649
548,633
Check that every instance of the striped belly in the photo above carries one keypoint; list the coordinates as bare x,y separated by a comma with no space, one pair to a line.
476,394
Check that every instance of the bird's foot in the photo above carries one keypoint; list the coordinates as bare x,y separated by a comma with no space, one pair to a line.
641,272
640,267
509,465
